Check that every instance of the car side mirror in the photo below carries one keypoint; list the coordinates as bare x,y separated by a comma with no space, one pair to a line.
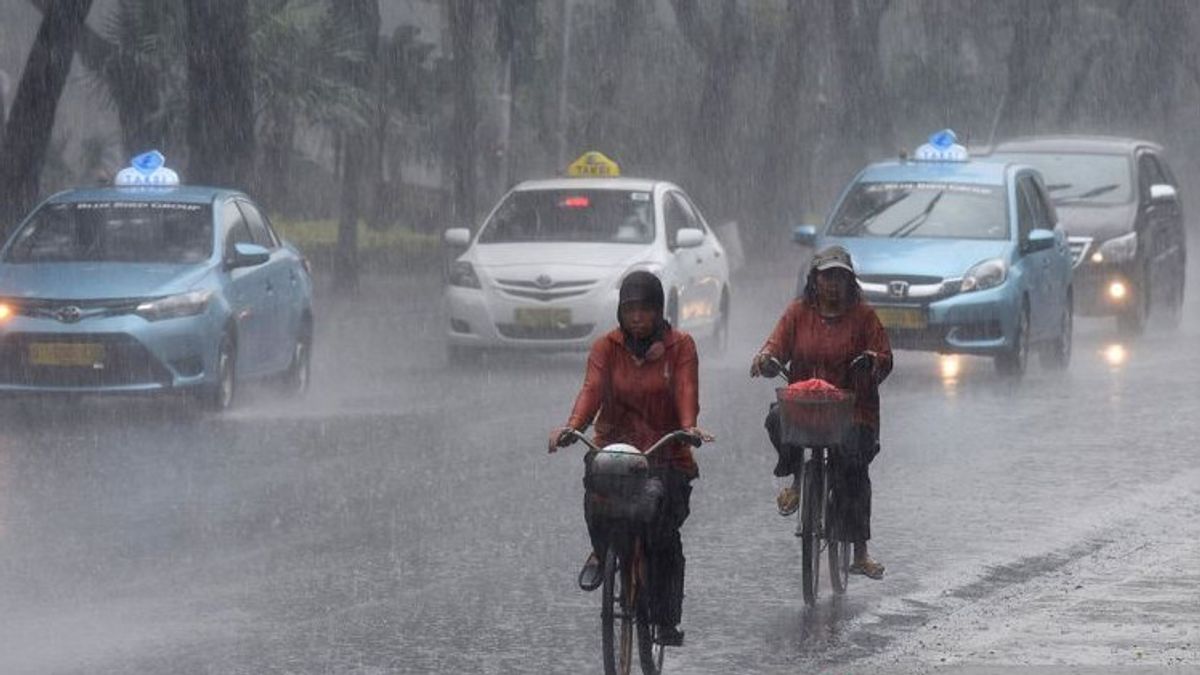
805,235
689,237
458,237
1039,240
247,255
1161,193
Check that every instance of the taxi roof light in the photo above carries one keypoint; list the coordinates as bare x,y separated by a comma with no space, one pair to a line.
593,164
147,170
942,146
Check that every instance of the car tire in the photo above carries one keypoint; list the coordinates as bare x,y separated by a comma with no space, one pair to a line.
1056,354
1013,362
221,396
297,378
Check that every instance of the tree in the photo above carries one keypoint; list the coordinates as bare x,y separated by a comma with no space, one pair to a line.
220,119
462,148
1035,25
31,120
863,120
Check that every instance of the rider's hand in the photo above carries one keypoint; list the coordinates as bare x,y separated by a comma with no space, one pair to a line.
702,435
560,437
866,363
757,364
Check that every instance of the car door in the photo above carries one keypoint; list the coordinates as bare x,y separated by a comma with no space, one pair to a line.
1156,240
684,264
711,266
280,336
1058,264
246,290
1034,264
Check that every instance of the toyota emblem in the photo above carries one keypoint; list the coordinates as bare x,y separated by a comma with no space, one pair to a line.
898,289
69,314
544,281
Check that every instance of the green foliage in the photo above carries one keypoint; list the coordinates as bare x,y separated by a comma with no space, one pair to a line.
382,249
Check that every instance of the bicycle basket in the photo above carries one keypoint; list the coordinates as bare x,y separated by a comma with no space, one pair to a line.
814,419
619,486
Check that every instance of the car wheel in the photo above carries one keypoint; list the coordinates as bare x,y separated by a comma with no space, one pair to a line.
221,395
1056,354
1013,362
299,373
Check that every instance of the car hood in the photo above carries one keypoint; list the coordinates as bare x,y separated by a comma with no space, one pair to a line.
97,281
605,256
1099,222
946,258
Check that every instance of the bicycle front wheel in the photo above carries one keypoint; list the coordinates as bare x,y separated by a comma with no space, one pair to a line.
839,565
649,651
616,619
811,530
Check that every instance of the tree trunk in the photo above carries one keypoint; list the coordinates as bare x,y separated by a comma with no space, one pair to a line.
220,125
31,121
1036,23
600,129
462,146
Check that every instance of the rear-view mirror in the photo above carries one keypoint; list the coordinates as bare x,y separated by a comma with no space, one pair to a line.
689,237
247,255
805,235
1039,240
1161,192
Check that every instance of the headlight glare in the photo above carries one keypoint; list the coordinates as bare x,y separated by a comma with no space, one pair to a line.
985,275
462,274
1119,249
175,306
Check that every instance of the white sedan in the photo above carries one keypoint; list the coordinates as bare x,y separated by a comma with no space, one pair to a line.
544,270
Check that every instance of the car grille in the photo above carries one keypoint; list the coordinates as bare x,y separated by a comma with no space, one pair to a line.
1080,246
532,290
65,310
922,289
569,332
126,362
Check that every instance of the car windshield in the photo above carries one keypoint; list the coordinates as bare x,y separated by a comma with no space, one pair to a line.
929,210
125,232
594,216
1080,178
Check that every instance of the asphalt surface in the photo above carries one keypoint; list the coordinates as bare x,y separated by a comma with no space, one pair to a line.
405,517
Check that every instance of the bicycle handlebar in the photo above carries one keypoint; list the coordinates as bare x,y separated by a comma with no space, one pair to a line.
679,435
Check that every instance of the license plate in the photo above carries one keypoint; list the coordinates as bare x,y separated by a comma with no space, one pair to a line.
77,354
543,317
911,318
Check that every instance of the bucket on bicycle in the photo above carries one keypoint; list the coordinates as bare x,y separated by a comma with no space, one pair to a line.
814,417
620,487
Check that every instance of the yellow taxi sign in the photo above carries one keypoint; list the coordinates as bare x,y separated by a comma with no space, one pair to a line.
593,164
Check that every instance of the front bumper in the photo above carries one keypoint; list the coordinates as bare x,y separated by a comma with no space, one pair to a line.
981,323
485,318
135,355
1093,283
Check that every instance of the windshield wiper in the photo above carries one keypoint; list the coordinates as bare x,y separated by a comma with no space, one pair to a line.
913,224
1054,187
1094,192
873,214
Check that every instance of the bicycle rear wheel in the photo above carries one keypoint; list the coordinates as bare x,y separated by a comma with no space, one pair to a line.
650,652
811,529
616,618
839,565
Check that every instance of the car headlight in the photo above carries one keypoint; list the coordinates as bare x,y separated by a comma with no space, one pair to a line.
175,306
985,275
462,274
1118,249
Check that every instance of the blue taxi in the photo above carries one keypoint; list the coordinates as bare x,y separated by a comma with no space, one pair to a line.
958,256
152,286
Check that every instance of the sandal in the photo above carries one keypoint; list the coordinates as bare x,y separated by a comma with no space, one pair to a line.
787,501
868,568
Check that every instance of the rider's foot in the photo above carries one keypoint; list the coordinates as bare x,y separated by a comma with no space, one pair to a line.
669,636
867,567
590,577
788,500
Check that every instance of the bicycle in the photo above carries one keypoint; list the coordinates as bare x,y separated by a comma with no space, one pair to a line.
816,426
622,492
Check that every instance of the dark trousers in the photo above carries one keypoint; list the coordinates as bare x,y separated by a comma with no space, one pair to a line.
664,547
849,477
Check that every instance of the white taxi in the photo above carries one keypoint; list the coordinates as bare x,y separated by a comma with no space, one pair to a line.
544,269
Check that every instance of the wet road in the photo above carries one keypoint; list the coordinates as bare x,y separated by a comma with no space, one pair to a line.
405,518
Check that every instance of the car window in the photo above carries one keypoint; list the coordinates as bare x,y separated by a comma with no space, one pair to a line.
1081,178
691,213
234,224
1026,215
675,218
1148,173
922,210
574,216
128,231
258,227
1043,217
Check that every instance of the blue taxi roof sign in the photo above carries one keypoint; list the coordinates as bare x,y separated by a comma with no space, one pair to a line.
147,170
593,164
943,146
